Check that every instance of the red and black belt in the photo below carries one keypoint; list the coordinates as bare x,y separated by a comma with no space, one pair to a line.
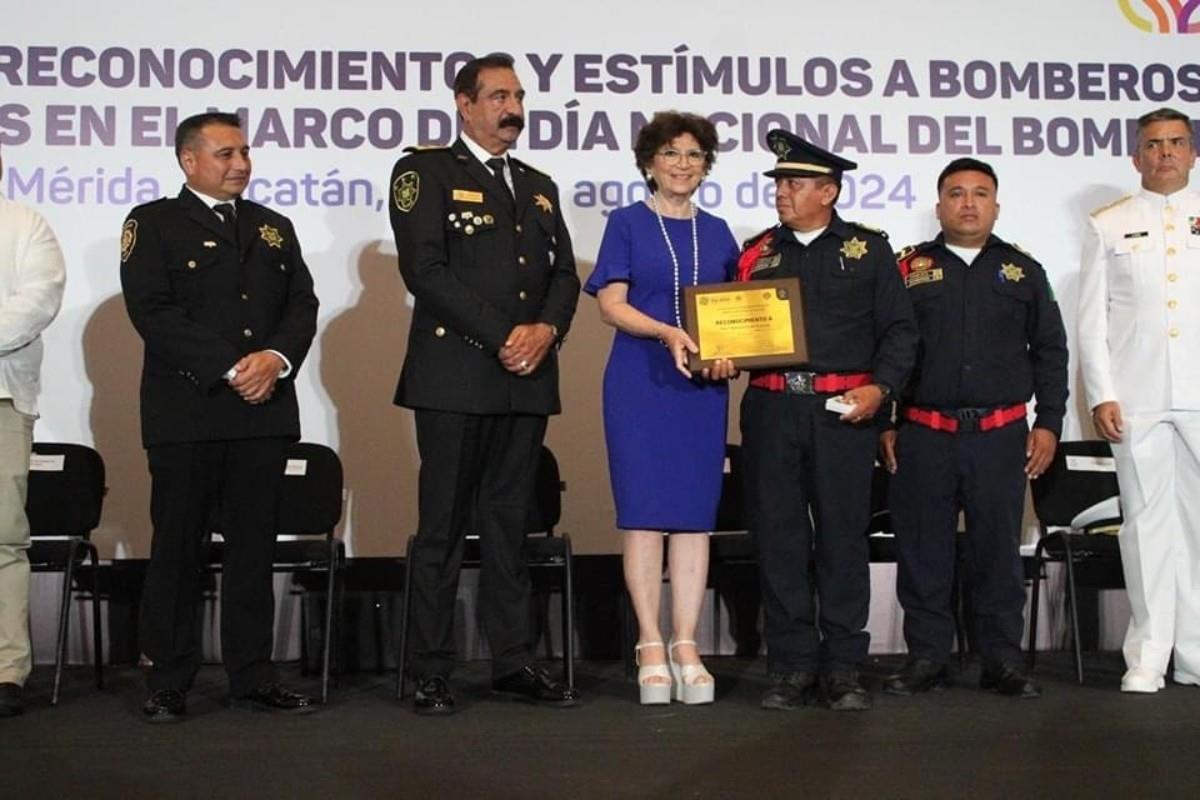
809,382
965,419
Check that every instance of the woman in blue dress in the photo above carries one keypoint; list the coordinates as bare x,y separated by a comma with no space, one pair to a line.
664,428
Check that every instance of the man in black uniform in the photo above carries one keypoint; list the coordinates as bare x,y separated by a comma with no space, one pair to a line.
991,336
220,294
484,250
801,458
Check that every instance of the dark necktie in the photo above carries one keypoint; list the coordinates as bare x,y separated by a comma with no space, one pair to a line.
497,167
229,220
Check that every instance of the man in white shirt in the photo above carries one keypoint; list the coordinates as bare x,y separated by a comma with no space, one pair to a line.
1139,332
32,274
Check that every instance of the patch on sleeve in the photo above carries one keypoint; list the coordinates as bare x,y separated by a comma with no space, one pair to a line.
128,239
405,191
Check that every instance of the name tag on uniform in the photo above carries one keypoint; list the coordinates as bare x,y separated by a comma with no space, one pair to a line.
924,276
767,262
467,196
1136,235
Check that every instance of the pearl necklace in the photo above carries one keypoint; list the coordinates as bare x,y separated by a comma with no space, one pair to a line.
662,226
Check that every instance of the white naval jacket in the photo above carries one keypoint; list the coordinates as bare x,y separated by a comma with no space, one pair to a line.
1139,303
32,275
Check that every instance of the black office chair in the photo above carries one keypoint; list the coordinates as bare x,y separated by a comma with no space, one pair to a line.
310,508
1081,477
66,496
545,552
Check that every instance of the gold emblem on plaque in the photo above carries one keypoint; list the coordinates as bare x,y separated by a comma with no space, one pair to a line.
855,248
921,262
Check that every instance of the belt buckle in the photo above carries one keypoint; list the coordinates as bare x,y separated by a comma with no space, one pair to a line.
968,418
799,382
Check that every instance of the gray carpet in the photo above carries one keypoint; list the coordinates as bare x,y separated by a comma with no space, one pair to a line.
1088,741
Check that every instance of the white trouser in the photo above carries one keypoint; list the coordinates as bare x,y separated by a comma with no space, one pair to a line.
16,439
1158,466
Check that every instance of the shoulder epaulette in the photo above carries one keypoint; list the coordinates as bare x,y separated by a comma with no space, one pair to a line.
746,243
1113,204
532,169
426,148
151,204
868,228
1022,251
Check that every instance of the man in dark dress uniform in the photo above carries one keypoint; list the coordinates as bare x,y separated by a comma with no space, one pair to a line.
991,337
802,459
218,290
485,252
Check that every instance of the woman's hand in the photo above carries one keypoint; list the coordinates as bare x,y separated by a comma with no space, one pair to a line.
680,344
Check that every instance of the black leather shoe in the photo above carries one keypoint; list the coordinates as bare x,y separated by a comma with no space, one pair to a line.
789,691
11,703
533,684
918,676
844,691
1008,680
165,705
277,698
433,696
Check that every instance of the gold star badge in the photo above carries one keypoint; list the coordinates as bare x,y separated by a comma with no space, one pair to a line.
405,191
128,239
541,201
1011,272
855,248
271,236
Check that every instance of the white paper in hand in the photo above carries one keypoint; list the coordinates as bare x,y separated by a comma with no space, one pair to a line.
837,406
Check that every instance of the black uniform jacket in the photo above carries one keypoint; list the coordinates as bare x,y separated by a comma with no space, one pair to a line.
857,315
478,264
200,303
991,332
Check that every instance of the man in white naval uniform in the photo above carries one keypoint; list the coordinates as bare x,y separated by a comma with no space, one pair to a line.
1139,345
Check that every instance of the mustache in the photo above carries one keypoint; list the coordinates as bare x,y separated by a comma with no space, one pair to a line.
512,121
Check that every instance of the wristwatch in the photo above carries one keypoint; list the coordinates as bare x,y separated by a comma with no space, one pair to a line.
885,390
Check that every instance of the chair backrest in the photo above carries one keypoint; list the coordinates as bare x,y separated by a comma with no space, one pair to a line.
546,511
310,497
66,490
731,511
1080,476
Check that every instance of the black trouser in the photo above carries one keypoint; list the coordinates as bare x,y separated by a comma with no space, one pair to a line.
477,475
799,458
939,474
241,478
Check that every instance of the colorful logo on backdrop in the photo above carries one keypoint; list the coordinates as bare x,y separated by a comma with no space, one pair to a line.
1162,16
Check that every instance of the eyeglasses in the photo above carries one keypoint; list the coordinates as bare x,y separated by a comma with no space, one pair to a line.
690,157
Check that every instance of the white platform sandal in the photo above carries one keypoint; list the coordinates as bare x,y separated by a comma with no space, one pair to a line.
657,693
694,684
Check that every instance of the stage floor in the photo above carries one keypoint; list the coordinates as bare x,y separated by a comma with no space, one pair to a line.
1076,741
